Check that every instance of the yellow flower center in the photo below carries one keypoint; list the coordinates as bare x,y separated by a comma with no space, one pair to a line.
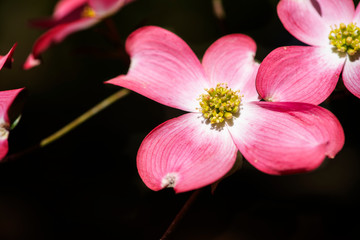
220,103
88,12
346,38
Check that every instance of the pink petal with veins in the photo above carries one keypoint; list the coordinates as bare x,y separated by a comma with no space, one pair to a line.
300,18
299,74
6,61
231,60
351,75
335,11
288,137
186,154
163,68
356,18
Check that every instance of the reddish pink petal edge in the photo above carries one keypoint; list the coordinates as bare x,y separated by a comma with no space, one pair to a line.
286,138
163,68
6,61
185,153
299,74
230,60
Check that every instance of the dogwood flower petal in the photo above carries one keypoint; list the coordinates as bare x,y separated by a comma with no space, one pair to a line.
55,35
163,68
300,18
299,74
231,60
185,153
335,11
356,18
288,137
6,61
351,75
6,99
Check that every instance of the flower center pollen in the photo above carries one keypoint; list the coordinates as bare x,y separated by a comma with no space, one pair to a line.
220,103
88,12
346,38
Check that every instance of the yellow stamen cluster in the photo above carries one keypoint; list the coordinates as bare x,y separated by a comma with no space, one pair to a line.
219,103
88,12
346,38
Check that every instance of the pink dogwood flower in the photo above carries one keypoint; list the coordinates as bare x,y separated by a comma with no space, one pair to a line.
6,99
70,16
331,28
224,114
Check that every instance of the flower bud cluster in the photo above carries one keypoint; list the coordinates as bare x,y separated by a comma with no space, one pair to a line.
219,103
346,38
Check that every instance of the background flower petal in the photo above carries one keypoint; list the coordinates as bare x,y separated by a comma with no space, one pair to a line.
303,21
107,7
65,7
299,74
163,68
231,60
56,35
351,75
6,99
283,138
6,61
185,152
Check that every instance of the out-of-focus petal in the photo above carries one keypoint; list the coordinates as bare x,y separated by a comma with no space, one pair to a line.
351,74
65,7
299,74
186,154
303,21
6,61
107,7
284,138
163,68
56,35
231,60
335,11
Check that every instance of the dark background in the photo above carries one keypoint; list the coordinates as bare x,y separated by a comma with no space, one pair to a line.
86,184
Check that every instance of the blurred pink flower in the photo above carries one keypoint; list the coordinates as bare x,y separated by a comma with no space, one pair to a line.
70,16
331,28
199,147
6,99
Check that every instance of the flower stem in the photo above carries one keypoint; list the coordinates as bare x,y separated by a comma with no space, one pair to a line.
72,125
181,214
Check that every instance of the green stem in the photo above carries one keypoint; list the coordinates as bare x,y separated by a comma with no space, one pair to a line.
72,125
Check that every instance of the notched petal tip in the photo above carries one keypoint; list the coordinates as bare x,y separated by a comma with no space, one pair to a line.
170,180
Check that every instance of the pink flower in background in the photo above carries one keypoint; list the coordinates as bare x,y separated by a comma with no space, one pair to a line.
6,99
331,27
70,16
224,114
